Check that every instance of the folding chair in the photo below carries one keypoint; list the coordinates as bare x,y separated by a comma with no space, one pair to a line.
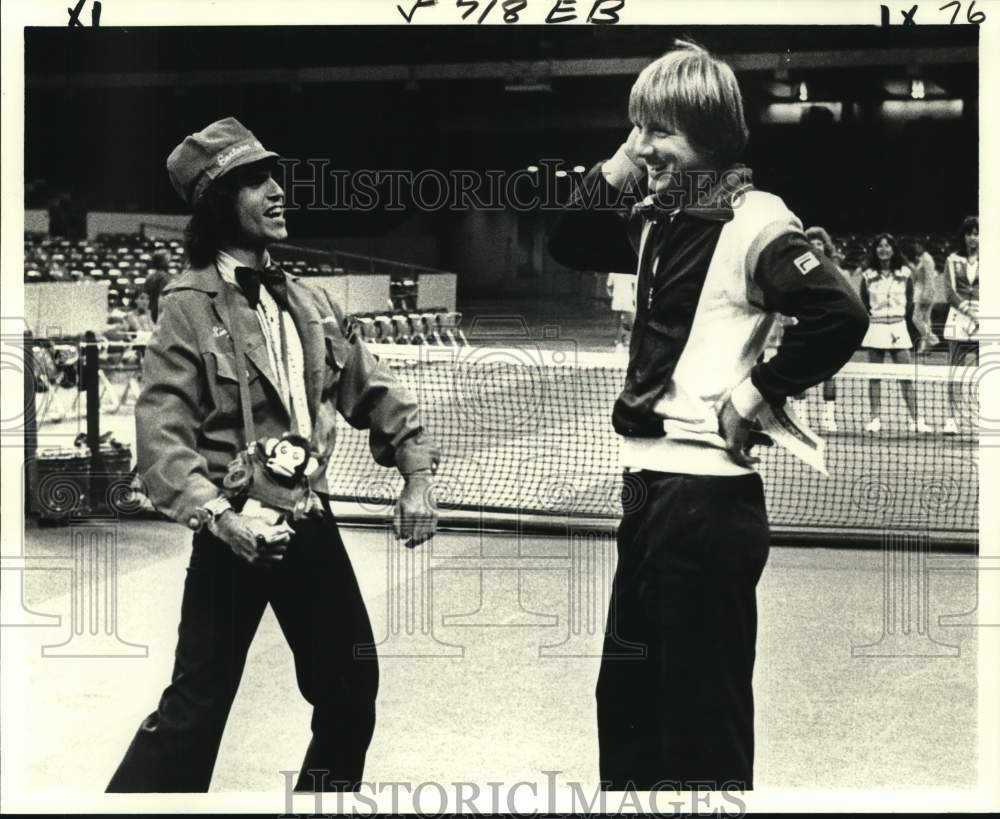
385,329
419,335
401,325
431,327
449,321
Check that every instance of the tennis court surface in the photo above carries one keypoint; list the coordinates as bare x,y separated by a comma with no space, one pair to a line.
489,647
489,637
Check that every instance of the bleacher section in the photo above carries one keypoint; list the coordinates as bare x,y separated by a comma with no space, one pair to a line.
125,260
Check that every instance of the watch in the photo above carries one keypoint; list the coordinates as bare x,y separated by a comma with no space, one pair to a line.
210,512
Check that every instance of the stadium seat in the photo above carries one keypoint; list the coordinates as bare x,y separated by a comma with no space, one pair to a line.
419,331
431,327
401,325
449,322
366,328
385,329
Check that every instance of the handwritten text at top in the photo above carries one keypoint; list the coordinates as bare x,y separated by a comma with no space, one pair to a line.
595,12
950,12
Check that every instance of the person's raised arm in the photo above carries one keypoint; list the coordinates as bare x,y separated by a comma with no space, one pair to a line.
590,232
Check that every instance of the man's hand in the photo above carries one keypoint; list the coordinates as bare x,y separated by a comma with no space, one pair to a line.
416,511
253,540
630,148
740,435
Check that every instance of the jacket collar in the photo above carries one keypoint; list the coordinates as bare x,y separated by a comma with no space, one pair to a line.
898,273
206,279
307,320
716,204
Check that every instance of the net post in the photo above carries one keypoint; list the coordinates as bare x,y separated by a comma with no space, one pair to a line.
92,388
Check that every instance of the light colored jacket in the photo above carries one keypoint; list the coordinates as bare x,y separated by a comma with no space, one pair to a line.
188,420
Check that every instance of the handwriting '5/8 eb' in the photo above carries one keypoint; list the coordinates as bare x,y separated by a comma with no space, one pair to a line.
602,12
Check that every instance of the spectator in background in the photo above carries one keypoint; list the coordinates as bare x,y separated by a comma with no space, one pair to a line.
138,319
133,329
853,276
887,292
822,243
158,277
924,290
961,284
621,289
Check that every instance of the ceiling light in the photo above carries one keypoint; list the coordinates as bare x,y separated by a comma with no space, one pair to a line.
527,86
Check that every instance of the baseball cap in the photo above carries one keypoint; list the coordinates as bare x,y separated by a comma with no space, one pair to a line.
212,152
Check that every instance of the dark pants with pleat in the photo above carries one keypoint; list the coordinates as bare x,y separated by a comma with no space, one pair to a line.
315,596
674,695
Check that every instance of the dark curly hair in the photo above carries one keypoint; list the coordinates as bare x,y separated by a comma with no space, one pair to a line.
214,222
896,262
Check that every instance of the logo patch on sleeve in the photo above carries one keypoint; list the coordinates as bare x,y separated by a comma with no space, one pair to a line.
806,262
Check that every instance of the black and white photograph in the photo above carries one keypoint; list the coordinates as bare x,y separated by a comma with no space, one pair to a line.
483,406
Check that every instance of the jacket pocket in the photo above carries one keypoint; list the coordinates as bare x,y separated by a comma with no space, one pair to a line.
224,383
649,373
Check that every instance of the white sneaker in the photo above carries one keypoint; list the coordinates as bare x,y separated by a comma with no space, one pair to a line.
920,425
829,417
950,427
875,425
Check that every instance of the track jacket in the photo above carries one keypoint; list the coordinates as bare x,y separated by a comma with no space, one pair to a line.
713,273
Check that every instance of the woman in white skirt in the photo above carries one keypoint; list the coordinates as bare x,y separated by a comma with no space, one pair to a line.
961,283
887,292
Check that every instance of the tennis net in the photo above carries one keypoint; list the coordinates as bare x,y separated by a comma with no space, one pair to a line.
526,431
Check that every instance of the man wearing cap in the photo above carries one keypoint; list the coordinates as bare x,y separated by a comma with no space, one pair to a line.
232,310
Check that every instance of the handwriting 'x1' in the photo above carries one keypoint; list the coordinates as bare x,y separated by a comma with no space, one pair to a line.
74,14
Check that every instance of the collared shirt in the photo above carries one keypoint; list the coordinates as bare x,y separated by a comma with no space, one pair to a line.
291,379
888,296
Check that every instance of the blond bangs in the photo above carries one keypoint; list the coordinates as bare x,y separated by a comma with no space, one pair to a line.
690,90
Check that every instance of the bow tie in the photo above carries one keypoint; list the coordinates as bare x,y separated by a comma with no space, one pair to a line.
273,279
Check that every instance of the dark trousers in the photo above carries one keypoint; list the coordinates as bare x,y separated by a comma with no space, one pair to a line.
674,695
318,604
